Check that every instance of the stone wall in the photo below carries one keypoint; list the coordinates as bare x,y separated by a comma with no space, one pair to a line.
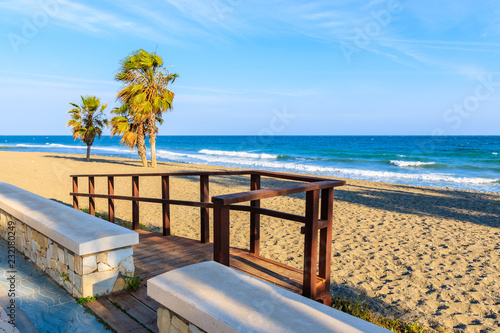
169,321
82,276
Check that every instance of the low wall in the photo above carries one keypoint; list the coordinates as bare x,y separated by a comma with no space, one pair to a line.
82,253
210,297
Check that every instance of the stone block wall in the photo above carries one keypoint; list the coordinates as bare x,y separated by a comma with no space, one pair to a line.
82,276
170,322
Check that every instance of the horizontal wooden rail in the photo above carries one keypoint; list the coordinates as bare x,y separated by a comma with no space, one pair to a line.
258,210
269,212
317,250
143,199
289,176
177,174
270,174
321,225
274,192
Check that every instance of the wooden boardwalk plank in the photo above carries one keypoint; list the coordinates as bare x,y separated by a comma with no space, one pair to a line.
167,253
115,317
255,272
275,267
158,264
141,295
156,254
136,309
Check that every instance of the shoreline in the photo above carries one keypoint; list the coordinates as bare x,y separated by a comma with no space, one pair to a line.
136,162
422,254
380,159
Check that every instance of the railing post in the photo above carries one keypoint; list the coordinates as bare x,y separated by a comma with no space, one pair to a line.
325,238
204,214
221,234
311,244
255,218
165,194
91,198
111,202
75,190
135,204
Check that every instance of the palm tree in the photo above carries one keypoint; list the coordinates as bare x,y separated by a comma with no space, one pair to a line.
87,120
131,129
145,90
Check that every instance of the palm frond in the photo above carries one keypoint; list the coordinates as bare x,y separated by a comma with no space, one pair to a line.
87,119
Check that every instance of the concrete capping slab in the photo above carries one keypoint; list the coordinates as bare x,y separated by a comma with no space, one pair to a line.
217,298
79,232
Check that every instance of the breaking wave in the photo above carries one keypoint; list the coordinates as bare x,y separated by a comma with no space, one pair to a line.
405,164
228,160
242,154
57,145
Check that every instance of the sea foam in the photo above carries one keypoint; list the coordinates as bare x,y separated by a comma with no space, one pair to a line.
57,145
317,169
405,164
242,154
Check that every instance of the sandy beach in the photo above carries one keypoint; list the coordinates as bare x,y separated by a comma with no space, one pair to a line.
421,254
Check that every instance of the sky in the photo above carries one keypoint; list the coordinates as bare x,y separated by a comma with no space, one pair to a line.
273,67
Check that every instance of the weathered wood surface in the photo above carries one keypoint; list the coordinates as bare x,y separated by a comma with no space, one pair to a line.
116,318
134,311
160,253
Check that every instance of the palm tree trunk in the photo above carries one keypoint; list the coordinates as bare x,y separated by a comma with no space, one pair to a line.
152,143
88,152
141,145
152,140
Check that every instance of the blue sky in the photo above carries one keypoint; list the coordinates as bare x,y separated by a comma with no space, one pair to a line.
261,67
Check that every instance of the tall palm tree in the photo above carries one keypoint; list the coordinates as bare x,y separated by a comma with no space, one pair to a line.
131,129
146,90
87,120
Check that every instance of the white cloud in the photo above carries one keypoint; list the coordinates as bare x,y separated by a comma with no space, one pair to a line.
450,45
78,16
186,21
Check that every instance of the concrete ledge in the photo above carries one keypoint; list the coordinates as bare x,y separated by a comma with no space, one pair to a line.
216,298
77,231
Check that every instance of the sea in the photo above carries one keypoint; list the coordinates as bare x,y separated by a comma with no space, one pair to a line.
459,162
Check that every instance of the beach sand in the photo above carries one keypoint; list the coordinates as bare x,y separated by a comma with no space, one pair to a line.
421,254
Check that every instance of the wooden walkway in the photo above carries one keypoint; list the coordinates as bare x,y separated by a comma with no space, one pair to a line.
156,254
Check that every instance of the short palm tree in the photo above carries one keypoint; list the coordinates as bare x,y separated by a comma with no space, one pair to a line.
87,120
131,129
146,90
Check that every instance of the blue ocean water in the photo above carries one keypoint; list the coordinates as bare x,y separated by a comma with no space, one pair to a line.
464,162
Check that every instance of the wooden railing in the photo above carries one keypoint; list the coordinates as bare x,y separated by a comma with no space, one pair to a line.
314,220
